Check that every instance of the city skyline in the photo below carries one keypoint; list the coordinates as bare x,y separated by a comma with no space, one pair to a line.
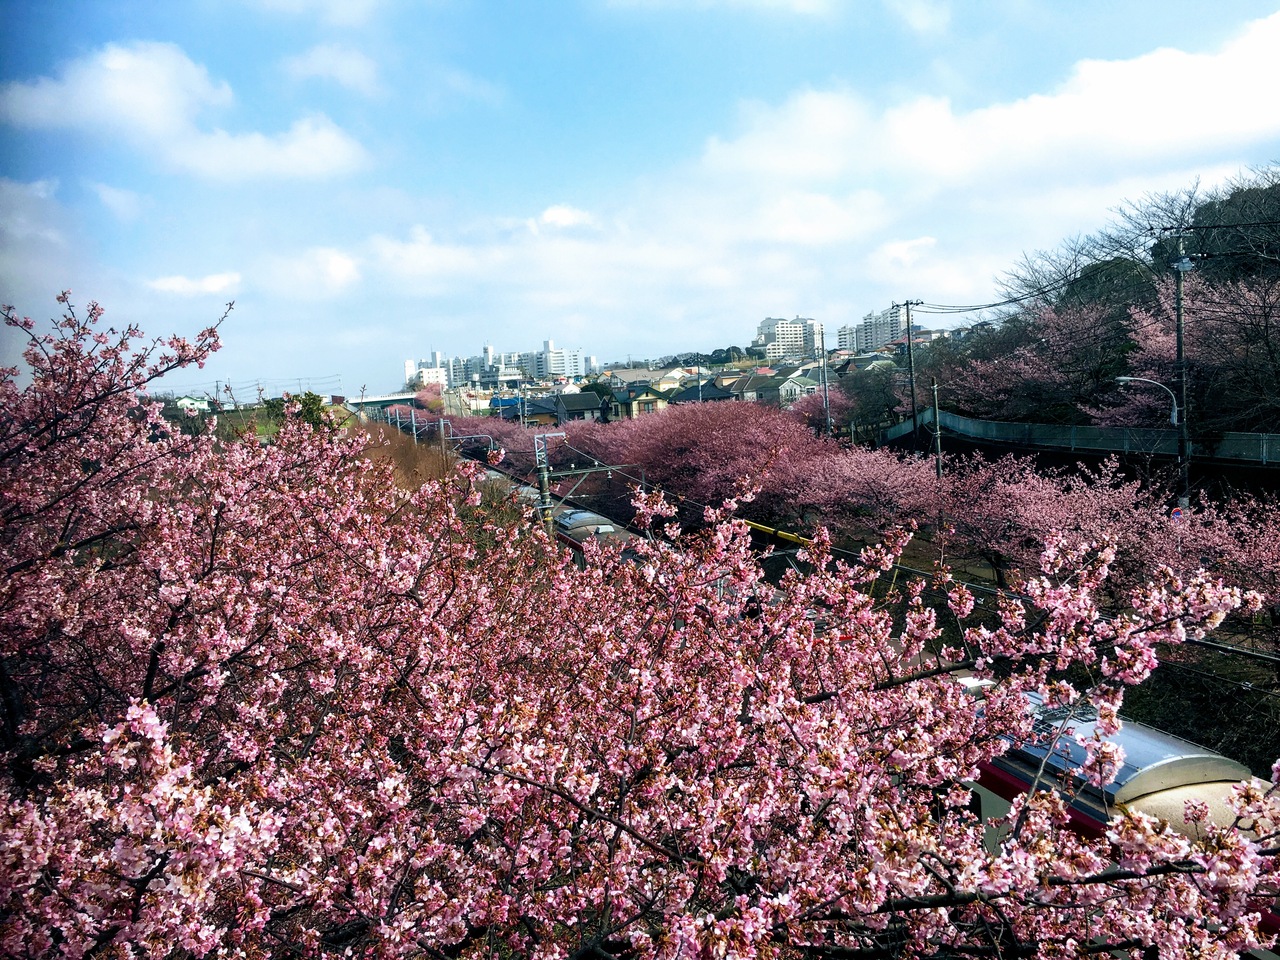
373,180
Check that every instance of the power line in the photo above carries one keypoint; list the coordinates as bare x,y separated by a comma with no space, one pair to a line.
269,385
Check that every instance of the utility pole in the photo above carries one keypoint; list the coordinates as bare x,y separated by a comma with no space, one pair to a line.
1180,266
911,378
826,394
937,431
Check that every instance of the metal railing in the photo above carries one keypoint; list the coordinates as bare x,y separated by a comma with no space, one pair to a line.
1261,448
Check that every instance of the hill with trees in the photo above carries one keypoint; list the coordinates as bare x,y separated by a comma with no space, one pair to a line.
1103,306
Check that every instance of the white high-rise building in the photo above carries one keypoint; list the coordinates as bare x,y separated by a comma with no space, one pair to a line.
492,367
788,338
424,375
877,329
434,369
552,362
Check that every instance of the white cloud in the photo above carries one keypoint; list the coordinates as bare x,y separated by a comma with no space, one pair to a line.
421,260
810,137
44,189
313,148
315,274
803,7
124,204
560,215
339,13
22,211
146,90
922,16
349,68
819,219
459,84
904,253
1106,114
152,95
192,287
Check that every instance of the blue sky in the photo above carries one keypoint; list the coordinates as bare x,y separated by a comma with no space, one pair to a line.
370,180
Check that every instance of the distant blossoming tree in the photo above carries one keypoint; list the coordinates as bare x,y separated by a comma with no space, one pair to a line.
815,409
431,398
262,701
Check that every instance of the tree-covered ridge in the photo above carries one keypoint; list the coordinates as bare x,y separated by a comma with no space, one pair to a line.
1102,306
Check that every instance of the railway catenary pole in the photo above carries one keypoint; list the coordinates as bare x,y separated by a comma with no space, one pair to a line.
544,477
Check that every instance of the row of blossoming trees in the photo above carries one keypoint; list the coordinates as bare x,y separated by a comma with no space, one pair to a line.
267,701
1104,305
994,512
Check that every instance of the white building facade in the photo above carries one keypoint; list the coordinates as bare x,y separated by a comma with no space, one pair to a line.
875,331
788,338
553,363
492,368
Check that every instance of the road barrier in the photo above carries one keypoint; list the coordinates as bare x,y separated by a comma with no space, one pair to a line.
1259,448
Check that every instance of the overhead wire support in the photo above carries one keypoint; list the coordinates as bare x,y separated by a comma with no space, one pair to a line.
545,505
911,372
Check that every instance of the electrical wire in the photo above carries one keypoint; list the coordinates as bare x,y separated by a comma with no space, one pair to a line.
250,388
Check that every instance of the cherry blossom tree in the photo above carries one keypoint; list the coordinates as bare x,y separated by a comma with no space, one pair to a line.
1047,364
1232,348
431,398
265,701
878,395
712,452
814,409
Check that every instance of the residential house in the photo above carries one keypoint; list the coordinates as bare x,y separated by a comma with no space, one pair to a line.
786,390
581,406
752,388
701,392
636,401
624,377
533,411
668,380
192,405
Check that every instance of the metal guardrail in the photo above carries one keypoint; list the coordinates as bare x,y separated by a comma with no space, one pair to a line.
1261,448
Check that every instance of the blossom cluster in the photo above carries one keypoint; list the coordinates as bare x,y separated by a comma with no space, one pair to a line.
265,701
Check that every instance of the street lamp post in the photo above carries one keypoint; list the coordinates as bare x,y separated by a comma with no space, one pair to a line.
1175,420
1181,265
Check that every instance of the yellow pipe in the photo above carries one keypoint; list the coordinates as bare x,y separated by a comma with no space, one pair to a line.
780,534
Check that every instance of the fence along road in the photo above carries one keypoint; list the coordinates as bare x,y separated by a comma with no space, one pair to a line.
1255,448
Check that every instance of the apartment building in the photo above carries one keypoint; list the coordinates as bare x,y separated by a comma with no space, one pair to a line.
788,338
874,331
